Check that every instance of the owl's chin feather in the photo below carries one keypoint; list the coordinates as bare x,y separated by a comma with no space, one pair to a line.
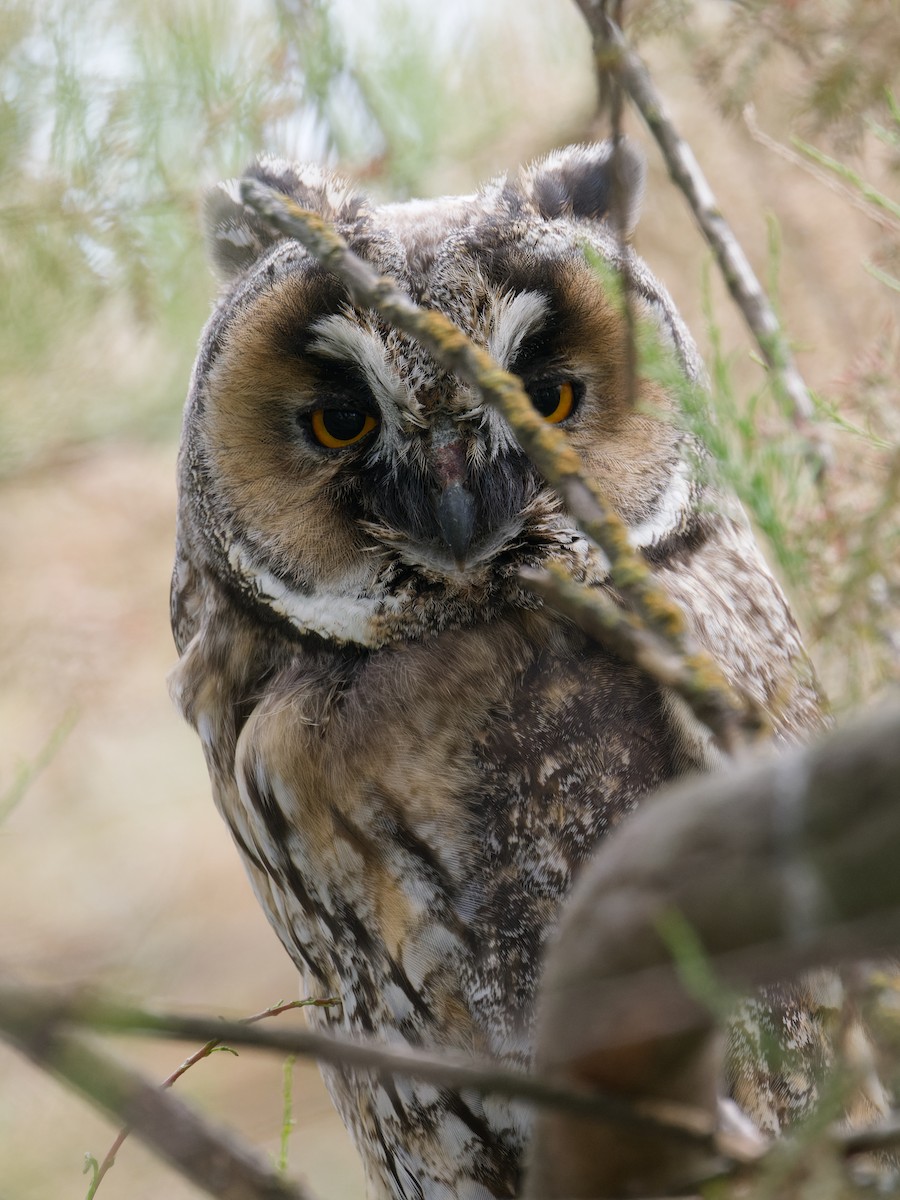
438,560
412,591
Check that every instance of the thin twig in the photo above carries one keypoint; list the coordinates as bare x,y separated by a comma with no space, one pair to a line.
214,1159
546,445
204,1052
819,173
31,1016
613,53
34,1019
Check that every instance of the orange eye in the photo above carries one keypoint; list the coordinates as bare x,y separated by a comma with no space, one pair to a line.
554,401
339,427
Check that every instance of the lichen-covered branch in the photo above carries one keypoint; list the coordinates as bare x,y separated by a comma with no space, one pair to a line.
545,444
604,621
614,56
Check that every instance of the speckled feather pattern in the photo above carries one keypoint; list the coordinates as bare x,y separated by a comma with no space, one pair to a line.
413,757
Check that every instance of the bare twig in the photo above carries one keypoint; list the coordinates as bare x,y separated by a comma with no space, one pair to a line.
214,1159
204,1052
613,54
45,1010
612,97
545,444
835,183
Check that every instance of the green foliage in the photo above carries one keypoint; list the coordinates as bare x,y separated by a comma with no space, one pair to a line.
29,771
92,1167
841,57
694,967
828,536
828,71
846,172
112,111
113,118
287,1111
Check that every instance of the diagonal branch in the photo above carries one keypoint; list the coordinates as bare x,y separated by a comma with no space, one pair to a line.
621,631
205,1051
214,1159
614,55
546,445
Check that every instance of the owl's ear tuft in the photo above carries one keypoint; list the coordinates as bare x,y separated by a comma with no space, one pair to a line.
238,237
588,182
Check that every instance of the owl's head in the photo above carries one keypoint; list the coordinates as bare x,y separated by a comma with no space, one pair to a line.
337,481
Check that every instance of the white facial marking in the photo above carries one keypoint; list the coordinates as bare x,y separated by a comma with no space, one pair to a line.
346,616
670,509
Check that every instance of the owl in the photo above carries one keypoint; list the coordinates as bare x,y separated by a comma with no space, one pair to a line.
414,756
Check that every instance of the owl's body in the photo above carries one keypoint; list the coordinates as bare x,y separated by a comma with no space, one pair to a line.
413,756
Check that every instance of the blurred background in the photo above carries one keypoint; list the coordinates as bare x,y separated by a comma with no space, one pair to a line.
115,869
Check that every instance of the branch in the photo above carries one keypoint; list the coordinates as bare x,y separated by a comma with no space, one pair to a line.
614,55
785,864
546,445
213,1159
604,621
43,1014
204,1052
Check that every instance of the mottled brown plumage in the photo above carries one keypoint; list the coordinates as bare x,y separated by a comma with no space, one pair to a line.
414,758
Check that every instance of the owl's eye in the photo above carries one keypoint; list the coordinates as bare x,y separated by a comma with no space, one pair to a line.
555,401
339,427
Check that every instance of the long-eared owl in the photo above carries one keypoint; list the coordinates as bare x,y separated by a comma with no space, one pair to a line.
413,756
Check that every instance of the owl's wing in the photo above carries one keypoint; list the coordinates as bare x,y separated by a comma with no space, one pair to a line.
738,613
785,1040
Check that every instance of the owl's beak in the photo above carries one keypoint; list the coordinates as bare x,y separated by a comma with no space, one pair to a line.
455,511
454,504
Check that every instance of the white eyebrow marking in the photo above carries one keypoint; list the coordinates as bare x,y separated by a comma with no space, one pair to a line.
514,318
341,338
